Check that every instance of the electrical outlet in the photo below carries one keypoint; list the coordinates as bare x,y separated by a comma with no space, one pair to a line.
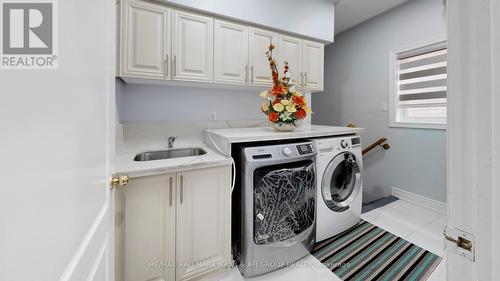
212,116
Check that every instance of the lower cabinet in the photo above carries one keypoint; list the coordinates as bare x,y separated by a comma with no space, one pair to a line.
174,226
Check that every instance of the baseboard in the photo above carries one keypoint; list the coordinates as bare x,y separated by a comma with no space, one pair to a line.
432,204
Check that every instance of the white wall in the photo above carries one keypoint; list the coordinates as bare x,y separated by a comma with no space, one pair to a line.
55,135
312,18
357,69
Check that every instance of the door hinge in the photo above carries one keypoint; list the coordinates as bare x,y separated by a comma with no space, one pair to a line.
464,242
120,180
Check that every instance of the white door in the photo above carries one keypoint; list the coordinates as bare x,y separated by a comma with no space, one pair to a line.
57,136
290,50
146,40
260,73
193,47
473,138
145,229
231,53
203,222
313,65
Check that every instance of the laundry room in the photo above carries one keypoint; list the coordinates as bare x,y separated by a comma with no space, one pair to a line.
232,140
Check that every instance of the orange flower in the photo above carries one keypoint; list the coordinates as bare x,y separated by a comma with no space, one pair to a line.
300,101
301,113
273,116
277,90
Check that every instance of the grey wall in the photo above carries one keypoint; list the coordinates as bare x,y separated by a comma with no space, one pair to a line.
151,103
312,18
357,70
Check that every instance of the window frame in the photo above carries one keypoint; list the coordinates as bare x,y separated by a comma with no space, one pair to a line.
394,89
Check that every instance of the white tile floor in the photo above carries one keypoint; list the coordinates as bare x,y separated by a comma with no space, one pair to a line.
416,224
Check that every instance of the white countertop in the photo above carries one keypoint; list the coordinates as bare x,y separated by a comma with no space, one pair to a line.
125,164
239,135
225,137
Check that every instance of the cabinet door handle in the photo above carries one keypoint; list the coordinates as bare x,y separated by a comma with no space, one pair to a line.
246,74
174,65
166,66
251,76
305,78
170,191
182,189
301,79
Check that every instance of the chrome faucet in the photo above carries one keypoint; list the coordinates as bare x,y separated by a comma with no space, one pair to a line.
171,141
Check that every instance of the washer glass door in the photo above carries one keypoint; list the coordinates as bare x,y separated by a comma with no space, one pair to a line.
284,201
341,181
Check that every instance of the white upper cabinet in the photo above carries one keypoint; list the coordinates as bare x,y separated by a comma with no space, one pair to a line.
290,50
145,40
193,47
260,73
231,53
164,43
313,66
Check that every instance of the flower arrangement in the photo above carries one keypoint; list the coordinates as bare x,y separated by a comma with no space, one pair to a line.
284,106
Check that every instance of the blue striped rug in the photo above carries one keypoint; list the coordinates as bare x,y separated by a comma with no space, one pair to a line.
367,252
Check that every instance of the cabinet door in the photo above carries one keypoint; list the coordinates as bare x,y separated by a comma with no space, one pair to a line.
203,222
145,225
313,65
290,50
231,53
260,73
146,38
193,47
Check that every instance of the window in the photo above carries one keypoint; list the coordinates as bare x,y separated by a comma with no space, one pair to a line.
418,86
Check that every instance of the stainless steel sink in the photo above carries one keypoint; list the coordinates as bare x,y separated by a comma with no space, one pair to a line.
169,154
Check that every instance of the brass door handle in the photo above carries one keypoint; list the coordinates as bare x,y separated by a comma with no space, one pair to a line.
119,181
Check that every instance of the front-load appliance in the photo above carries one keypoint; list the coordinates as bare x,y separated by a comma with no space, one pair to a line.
274,206
339,185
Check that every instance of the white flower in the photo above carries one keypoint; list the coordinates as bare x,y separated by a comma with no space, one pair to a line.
263,94
292,89
288,75
278,107
285,102
291,108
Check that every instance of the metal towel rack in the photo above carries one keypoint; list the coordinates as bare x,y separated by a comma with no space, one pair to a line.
380,142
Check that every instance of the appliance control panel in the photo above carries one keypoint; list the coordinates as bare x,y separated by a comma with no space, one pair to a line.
356,142
280,151
304,149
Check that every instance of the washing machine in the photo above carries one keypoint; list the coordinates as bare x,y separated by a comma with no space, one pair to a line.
274,206
339,185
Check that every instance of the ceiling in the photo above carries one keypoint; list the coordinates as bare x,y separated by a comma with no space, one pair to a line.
349,13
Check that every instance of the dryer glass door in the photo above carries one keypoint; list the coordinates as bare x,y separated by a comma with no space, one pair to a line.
341,181
284,204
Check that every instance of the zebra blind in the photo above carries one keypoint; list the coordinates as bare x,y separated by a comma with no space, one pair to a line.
422,77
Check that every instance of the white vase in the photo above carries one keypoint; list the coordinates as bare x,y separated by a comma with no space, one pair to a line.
284,127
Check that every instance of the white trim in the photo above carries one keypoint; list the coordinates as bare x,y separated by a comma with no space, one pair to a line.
393,90
97,233
420,200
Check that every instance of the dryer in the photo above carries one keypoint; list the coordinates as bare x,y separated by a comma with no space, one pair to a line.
339,185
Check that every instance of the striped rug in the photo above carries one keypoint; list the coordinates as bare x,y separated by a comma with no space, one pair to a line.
367,252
